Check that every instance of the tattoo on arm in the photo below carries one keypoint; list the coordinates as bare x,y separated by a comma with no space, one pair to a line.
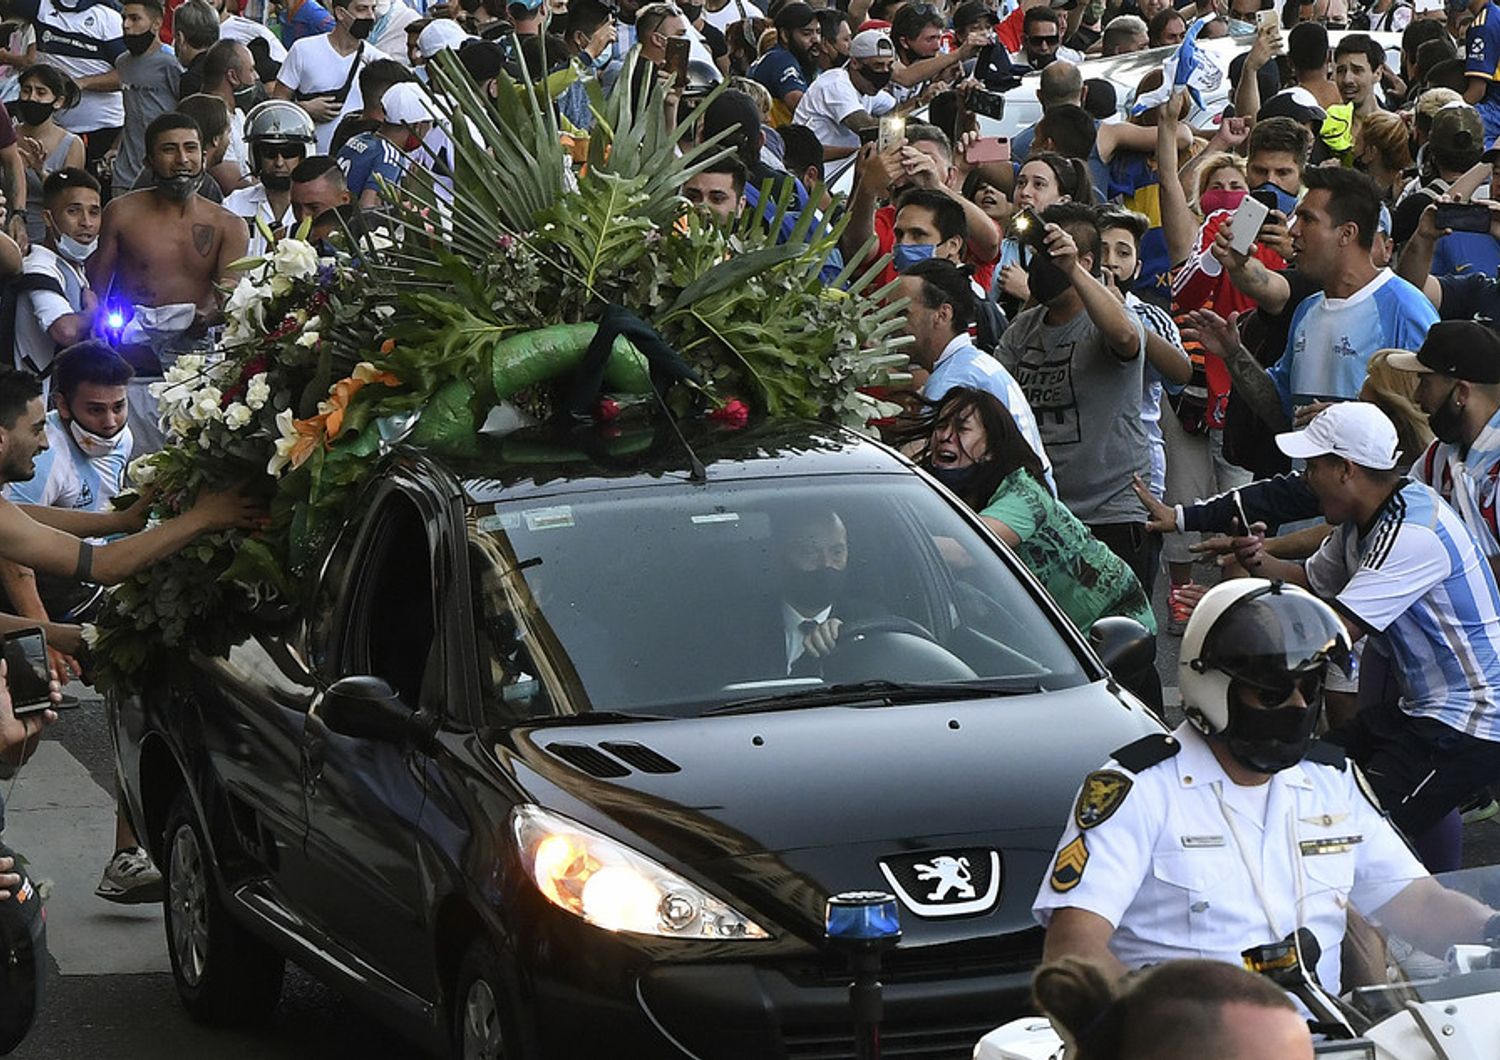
1254,385
203,239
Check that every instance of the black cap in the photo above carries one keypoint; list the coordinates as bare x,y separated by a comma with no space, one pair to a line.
481,60
733,108
794,16
1465,349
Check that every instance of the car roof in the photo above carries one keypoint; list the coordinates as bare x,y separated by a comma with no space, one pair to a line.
543,460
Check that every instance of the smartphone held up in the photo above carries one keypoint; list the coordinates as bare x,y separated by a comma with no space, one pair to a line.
28,674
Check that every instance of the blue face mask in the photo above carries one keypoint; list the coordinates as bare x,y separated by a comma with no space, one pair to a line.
1286,202
907,254
1239,27
603,59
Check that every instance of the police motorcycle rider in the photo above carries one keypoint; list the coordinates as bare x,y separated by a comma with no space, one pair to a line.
278,136
1240,829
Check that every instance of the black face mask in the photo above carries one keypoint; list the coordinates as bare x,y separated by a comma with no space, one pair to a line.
137,43
246,97
31,111
691,11
1046,280
1269,741
818,587
282,183
180,186
956,479
1447,421
361,28
878,78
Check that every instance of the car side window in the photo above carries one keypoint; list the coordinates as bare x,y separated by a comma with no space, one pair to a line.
390,623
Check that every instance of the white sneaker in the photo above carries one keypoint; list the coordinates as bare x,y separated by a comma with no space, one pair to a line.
130,878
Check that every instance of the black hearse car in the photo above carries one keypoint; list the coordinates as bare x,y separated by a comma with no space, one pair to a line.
536,774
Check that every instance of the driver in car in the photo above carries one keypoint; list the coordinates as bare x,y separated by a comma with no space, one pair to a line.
813,557
1239,829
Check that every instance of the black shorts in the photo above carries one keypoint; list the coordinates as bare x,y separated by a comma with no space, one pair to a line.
1420,768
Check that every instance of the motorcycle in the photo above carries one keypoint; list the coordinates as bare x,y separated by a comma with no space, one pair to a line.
1431,1006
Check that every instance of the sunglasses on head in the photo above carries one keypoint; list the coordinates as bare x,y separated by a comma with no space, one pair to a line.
1275,691
282,150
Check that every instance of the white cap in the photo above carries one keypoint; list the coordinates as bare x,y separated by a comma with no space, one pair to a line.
1355,430
872,44
1424,6
439,34
406,103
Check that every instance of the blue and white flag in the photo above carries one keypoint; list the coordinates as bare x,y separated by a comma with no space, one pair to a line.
1188,68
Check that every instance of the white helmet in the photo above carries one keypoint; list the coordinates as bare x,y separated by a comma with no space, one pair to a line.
1266,635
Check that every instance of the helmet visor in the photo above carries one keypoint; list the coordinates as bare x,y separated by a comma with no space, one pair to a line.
1274,633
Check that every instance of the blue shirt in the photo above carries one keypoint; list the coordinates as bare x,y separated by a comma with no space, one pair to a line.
780,73
1466,253
309,20
368,156
1332,339
1417,581
1482,60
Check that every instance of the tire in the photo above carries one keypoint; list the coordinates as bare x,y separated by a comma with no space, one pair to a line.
224,974
482,1025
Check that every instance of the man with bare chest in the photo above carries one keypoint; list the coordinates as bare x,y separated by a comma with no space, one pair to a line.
164,252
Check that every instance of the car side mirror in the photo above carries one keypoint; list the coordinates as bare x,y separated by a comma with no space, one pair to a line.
367,708
1122,644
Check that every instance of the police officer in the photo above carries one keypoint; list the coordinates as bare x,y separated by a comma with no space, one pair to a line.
278,136
1240,828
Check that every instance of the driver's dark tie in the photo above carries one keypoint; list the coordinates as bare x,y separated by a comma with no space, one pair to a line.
807,664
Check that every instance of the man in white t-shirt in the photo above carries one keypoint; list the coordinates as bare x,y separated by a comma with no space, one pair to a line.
229,73
83,40
54,306
841,103
321,74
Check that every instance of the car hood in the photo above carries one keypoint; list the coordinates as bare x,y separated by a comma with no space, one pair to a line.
791,806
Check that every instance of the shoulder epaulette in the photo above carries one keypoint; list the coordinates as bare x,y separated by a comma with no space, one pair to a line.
1147,751
1327,754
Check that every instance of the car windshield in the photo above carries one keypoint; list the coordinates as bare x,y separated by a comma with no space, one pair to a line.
673,601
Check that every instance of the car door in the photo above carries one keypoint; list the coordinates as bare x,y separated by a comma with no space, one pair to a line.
254,707
364,796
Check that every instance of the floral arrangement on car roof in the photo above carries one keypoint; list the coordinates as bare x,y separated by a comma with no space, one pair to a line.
489,293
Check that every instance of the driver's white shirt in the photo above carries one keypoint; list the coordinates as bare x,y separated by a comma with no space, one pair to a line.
1165,868
795,638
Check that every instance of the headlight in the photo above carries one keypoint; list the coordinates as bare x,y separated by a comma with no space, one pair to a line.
615,888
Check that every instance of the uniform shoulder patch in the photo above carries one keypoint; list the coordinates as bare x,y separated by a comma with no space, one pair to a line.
1147,751
1067,870
1327,754
1103,793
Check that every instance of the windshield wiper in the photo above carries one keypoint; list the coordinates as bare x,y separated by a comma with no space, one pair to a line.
883,693
592,717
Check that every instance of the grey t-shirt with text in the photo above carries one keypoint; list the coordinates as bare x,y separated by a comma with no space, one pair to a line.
149,83
1087,404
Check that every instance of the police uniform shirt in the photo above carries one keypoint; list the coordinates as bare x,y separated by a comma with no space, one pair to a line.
1416,577
1156,854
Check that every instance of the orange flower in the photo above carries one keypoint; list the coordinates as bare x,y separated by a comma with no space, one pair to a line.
387,346
299,439
342,393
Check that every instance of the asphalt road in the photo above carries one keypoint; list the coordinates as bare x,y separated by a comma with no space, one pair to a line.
109,992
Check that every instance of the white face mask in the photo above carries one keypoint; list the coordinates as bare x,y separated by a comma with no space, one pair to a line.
96,446
73,250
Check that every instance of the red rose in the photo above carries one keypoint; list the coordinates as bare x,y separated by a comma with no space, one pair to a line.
735,414
607,410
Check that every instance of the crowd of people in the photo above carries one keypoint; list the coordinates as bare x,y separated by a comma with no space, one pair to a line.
1134,394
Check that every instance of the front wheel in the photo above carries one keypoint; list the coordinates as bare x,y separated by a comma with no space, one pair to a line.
483,1027
224,974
